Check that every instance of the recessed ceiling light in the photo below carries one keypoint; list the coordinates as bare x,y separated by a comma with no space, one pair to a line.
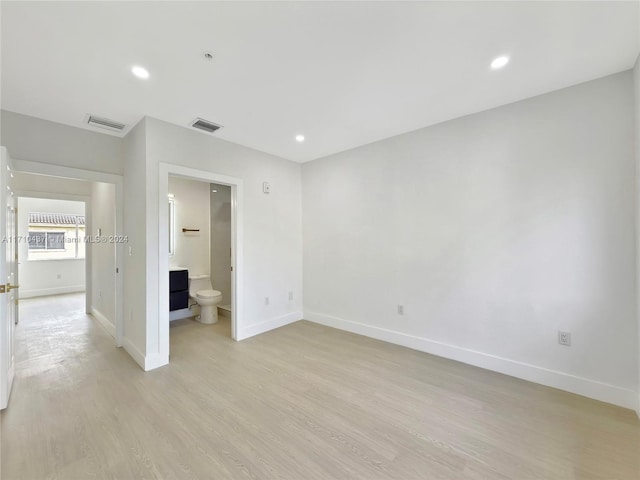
214,191
499,62
300,138
140,72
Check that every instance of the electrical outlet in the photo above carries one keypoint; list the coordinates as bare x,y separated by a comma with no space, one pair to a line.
400,309
564,338
290,295
266,300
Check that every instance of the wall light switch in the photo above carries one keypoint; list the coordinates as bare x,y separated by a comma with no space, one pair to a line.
266,188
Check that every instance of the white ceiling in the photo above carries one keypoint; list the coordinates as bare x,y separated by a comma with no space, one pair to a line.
342,73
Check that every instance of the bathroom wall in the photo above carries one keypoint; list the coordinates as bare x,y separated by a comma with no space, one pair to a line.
191,211
47,277
221,241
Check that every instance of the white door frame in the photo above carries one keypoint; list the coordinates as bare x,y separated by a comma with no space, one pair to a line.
237,318
91,176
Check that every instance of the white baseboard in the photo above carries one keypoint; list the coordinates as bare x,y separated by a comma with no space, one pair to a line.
270,324
133,351
148,362
182,313
104,321
44,292
155,360
582,386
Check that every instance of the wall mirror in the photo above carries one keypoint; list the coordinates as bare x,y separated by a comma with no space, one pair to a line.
172,223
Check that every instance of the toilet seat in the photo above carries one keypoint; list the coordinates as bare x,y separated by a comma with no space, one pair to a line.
208,293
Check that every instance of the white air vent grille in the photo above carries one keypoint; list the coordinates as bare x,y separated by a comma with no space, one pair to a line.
105,123
205,125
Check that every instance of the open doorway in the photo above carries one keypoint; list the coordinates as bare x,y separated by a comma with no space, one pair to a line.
229,286
51,259
200,251
51,232
70,246
52,262
66,296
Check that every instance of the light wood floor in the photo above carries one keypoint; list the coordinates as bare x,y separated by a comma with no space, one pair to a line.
301,402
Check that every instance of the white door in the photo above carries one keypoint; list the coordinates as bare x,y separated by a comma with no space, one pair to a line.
8,279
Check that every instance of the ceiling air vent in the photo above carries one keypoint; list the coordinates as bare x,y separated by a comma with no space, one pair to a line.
205,125
105,123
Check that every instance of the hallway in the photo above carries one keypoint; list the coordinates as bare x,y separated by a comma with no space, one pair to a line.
53,333
63,358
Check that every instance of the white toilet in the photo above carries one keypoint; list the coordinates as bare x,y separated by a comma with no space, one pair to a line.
201,291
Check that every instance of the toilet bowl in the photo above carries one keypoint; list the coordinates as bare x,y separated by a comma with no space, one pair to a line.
201,291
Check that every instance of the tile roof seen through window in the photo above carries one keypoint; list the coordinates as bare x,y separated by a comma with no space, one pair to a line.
55,219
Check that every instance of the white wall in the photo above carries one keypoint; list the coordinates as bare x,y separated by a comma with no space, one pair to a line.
135,227
221,241
272,223
37,140
27,182
47,277
103,254
191,211
494,231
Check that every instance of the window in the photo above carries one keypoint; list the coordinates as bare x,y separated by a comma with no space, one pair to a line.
55,241
37,241
56,236
46,240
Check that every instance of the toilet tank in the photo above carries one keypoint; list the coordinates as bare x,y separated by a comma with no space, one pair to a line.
199,282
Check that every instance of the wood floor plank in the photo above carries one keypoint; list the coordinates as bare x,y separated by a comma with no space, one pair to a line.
301,402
